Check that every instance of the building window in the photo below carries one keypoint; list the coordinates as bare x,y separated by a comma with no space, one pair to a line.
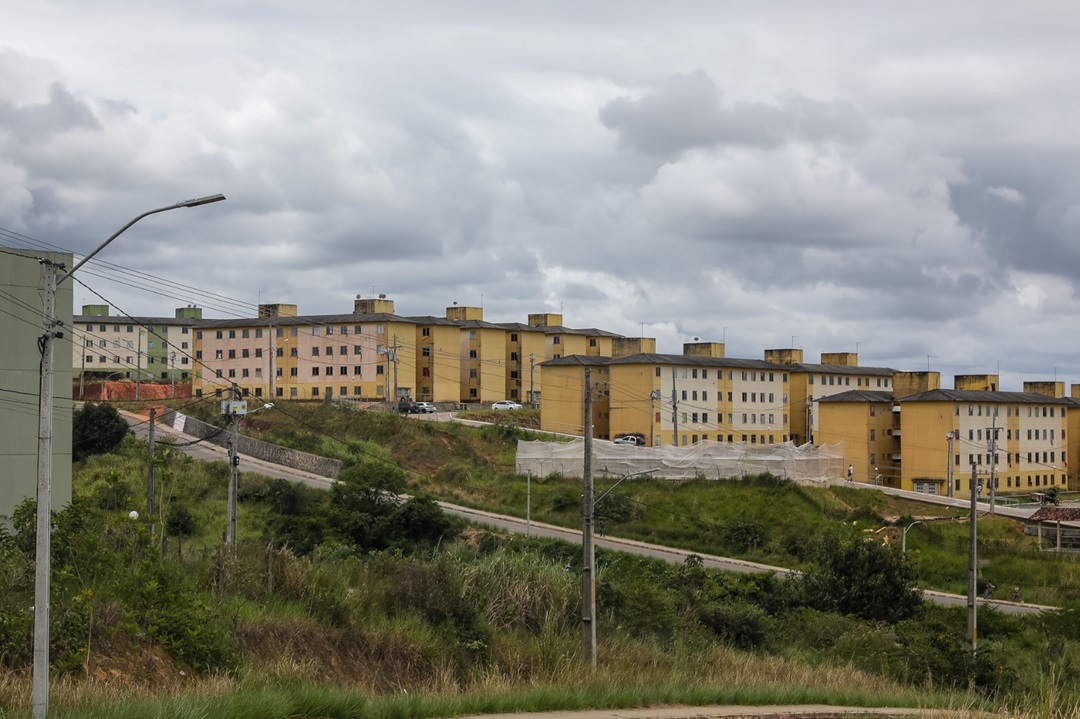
314,371
314,351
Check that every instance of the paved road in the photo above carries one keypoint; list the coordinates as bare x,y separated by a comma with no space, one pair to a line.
210,452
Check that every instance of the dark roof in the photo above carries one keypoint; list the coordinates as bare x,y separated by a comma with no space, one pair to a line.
123,320
520,327
858,395
590,331
843,369
1056,514
303,320
432,320
695,361
972,395
577,360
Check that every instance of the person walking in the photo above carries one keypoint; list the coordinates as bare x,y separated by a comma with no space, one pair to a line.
600,526
1015,594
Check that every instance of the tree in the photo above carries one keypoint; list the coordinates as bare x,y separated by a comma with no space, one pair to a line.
856,575
180,524
96,429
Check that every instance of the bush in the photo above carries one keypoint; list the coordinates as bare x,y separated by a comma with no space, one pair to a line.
745,533
859,576
96,429
741,624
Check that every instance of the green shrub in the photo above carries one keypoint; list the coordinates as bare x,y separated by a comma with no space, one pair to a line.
96,429
740,624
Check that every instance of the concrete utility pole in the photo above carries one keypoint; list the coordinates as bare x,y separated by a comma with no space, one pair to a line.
948,464
172,372
653,396
53,277
588,562
150,476
674,409
532,394
138,365
393,356
972,566
234,409
991,445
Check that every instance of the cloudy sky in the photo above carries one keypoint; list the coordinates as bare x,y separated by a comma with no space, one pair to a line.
899,179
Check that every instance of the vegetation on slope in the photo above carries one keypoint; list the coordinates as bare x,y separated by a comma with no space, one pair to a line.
339,603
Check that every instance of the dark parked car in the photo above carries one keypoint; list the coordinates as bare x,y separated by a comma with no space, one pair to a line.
408,407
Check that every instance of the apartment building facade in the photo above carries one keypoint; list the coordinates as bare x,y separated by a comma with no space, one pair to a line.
151,349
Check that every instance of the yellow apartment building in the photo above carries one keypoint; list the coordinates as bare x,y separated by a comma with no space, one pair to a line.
438,360
484,369
836,373
864,422
563,407
525,348
1018,437
690,398
1072,444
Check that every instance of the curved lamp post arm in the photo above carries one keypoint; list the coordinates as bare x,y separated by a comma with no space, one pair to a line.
186,203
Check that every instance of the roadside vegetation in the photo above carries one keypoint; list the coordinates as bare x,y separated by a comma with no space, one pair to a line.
353,603
762,519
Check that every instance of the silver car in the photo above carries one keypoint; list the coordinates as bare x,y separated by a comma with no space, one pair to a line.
505,404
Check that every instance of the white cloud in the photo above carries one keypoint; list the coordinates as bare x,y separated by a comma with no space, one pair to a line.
1006,194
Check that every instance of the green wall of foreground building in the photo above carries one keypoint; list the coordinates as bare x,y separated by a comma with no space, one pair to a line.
20,326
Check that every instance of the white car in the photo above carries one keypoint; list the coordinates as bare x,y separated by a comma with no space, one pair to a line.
628,440
505,404
426,408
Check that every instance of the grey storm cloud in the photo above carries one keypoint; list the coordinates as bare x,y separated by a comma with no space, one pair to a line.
688,111
33,122
839,173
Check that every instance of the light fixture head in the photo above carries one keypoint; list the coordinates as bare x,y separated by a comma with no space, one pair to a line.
203,200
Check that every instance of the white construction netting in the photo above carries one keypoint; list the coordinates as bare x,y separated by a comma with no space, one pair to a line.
705,460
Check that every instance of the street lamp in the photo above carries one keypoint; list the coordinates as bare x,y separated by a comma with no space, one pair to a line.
54,276
903,536
106,380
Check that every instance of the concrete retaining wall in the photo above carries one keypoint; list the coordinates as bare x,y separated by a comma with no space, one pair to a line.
275,454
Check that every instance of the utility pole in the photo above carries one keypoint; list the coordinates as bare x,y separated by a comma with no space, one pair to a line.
948,464
234,409
972,566
588,573
53,277
43,545
532,395
172,372
270,357
653,396
991,444
82,372
150,477
393,356
674,409
138,365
